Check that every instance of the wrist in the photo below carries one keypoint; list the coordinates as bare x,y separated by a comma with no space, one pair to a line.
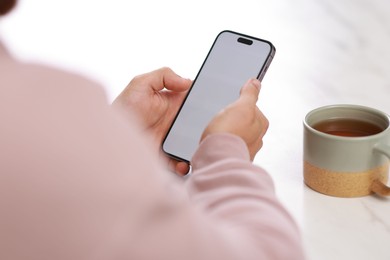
219,146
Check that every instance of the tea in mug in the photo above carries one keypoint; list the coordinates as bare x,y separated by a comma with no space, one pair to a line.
347,127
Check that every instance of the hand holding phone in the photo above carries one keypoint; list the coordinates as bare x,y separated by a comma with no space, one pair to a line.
232,60
243,119
154,98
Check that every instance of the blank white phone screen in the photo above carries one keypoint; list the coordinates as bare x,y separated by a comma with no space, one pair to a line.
229,64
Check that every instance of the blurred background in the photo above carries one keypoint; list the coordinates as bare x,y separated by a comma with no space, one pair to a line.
112,41
328,52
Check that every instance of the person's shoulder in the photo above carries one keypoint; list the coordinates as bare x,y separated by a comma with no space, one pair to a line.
60,77
42,91
44,80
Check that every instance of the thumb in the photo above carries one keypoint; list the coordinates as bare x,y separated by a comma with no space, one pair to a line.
250,91
174,82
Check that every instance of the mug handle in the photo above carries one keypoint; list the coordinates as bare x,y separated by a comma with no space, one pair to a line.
377,186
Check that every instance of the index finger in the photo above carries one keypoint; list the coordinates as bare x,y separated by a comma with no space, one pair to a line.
250,91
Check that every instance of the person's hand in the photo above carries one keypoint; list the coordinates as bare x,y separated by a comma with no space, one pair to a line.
155,98
242,118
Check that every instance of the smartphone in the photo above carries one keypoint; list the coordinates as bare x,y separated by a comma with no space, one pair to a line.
232,60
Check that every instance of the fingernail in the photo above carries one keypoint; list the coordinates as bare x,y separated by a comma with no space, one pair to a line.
256,83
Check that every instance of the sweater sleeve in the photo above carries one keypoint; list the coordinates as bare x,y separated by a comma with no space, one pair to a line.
240,196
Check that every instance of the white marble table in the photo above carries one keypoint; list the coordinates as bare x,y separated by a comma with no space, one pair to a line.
328,52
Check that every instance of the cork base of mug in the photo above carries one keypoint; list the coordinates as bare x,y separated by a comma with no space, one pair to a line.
343,184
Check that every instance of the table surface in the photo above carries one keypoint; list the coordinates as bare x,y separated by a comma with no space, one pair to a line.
328,52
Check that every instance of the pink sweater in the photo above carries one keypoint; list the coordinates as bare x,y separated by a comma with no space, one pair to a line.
77,181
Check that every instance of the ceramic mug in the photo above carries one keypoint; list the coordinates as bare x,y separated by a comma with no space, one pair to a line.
347,151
